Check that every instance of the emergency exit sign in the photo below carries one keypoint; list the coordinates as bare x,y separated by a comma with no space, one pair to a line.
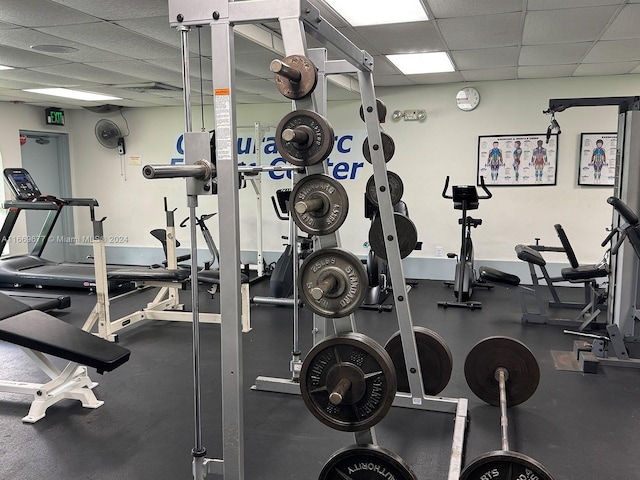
54,116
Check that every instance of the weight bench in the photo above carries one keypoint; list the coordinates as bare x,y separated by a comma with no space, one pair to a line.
166,304
40,334
507,280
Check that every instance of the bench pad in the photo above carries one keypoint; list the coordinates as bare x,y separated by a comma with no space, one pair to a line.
494,275
42,332
584,272
529,255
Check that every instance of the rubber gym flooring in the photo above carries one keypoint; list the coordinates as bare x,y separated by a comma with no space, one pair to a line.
580,426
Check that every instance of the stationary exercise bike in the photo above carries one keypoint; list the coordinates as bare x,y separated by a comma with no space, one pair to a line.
465,198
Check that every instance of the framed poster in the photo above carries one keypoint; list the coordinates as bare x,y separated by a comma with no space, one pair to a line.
597,163
518,160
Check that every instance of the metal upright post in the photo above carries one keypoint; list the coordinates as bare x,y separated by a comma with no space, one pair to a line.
228,202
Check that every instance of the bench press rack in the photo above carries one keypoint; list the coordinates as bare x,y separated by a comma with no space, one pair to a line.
166,304
296,17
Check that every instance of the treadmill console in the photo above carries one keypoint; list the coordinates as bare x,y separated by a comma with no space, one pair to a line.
21,184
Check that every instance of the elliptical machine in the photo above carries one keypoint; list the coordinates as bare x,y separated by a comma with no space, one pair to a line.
465,198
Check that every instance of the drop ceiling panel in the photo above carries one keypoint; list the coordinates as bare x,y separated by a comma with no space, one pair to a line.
257,85
566,26
560,54
625,24
13,57
415,37
483,31
614,51
508,73
392,81
36,13
110,37
158,28
42,79
484,58
449,8
255,64
546,71
87,73
119,9
613,68
555,4
434,78
140,69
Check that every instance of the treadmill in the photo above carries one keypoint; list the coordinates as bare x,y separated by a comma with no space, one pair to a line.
32,269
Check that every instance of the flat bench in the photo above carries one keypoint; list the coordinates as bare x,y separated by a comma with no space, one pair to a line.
38,333
166,304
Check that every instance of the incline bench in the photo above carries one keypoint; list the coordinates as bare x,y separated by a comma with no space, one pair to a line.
38,333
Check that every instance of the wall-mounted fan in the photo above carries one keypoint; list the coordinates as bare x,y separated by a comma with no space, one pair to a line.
109,135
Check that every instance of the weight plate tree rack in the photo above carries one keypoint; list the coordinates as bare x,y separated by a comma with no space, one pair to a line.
359,62
294,16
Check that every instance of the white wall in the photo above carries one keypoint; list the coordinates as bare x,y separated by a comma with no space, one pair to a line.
426,152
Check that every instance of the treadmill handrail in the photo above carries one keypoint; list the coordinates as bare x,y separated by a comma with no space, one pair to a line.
50,205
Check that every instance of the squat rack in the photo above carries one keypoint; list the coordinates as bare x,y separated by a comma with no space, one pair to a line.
293,16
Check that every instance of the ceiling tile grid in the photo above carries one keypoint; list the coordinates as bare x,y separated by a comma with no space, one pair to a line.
119,43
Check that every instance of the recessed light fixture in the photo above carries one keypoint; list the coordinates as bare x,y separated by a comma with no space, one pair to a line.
415,63
4,67
379,12
54,48
75,94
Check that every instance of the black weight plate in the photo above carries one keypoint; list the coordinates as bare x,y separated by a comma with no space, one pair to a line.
366,462
388,147
502,465
405,229
366,364
308,78
434,355
335,204
382,111
492,353
396,188
320,143
351,282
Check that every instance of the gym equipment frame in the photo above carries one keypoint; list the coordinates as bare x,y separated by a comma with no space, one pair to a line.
624,276
294,17
165,305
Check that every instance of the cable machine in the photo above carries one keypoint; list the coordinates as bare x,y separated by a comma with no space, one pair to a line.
624,276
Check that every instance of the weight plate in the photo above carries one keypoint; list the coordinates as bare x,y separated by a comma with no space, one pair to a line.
436,361
366,462
382,111
316,142
388,147
492,353
332,204
502,465
367,366
295,90
332,282
396,188
405,229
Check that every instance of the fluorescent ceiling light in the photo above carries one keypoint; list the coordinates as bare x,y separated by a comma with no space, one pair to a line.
413,63
4,67
75,94
379,12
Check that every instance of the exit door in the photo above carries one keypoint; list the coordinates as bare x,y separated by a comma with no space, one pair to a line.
45,155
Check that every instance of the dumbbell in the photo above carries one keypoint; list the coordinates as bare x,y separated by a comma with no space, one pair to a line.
503,372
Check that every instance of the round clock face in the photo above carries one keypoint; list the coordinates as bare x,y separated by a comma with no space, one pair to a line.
467,99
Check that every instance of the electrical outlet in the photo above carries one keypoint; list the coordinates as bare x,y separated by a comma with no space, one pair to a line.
439,251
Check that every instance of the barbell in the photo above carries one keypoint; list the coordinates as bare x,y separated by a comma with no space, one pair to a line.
503,372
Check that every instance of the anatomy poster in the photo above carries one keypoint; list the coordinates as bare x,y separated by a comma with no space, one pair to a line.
518,160
597,164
